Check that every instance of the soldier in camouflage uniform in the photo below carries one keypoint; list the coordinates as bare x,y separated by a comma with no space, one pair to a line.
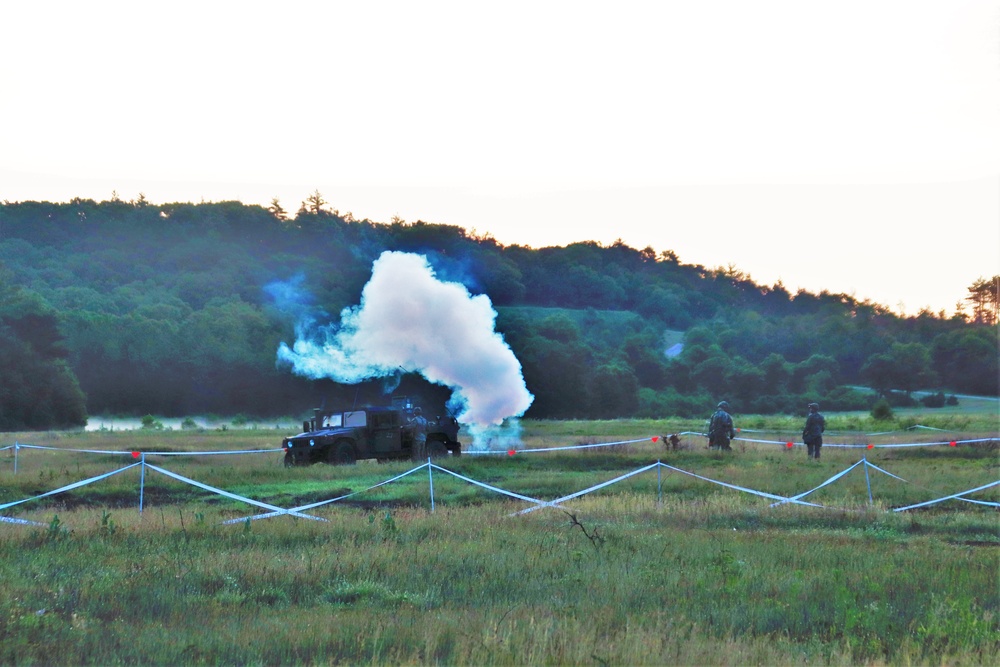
812,434
418,425
720,429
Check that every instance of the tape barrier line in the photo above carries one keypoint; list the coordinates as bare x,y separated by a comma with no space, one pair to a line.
70,487
884,472
766,442
740,488
979,502
968,500
849,433
827,482
129,453
868,446
602,444
487,486
474,452
558,501
245,451
227,494
23,522
904,444
297,511
303,508
951,497
78,451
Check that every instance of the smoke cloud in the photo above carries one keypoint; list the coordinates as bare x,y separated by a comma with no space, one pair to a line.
408,319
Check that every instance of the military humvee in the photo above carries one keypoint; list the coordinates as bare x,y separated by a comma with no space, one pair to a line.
381,433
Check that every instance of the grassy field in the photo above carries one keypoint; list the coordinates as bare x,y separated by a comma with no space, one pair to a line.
661,568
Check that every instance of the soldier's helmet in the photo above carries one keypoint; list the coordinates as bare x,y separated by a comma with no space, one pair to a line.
814,406
418,411
724,405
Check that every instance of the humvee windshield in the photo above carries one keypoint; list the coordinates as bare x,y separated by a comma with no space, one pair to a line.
355,418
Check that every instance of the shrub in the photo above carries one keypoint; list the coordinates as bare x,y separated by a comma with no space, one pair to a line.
150,422
933,400
882,411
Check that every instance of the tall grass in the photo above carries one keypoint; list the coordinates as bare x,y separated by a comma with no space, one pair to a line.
656,570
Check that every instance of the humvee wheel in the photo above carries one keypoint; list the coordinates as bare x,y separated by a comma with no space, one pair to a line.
289,460
342,454
436,449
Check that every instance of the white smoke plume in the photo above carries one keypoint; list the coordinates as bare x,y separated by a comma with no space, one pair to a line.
409,319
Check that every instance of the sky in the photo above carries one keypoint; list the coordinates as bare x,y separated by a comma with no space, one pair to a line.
848,146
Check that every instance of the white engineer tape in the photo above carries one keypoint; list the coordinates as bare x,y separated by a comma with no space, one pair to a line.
79,451
951,497
131,452
870,446
475,452
70,487
23,522
244,451
967,500
829,481
558,501
249,501
740,488
884,472
303,508
487,486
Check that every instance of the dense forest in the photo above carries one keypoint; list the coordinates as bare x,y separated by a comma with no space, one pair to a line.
130,308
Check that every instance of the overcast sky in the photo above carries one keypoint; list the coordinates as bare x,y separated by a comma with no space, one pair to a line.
846,146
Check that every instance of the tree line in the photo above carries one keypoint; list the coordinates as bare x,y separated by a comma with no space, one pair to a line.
126,307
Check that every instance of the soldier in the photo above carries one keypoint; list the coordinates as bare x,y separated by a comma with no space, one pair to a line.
419,426
812,434
720,429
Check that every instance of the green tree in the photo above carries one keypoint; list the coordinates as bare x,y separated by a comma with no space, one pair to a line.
984,295
277,210
906,366
912,363
556,373
776,373
879,372
744,380
712,375
815,364
614,391
968,360
39,390
314,204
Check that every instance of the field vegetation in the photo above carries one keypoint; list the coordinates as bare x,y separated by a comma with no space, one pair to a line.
660,568
85,329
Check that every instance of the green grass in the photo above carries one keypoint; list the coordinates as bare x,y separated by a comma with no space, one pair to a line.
648,571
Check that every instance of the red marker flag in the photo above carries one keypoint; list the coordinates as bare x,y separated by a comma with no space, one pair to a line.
135,455
953,444
655,438
510,452
871,446
789,445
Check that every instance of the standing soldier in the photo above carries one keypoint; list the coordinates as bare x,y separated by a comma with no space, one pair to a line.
812,434
419,426
720,429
